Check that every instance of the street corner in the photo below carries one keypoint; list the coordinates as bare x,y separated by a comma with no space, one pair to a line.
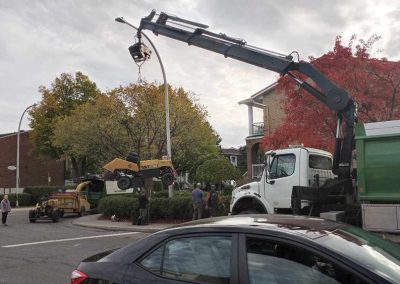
99,221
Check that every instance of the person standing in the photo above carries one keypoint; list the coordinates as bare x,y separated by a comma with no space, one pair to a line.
143,201
197,199
212,200
5,208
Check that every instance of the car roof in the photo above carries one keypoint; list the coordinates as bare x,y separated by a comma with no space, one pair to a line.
308,227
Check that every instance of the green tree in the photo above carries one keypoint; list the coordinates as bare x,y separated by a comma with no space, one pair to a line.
94,132
132,118
216,171
65,93
192,137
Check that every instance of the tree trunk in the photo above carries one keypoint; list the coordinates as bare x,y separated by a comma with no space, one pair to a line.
75,169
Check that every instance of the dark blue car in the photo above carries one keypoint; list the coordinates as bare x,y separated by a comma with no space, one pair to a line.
249,249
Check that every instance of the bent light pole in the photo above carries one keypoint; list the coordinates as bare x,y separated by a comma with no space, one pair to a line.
167,123
17,169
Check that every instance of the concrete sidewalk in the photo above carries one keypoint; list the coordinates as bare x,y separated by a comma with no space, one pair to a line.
95,221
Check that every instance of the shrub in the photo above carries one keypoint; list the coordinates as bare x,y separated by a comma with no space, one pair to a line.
226,200
158,186
182,193
38,192
24,199
178,208
160,194
227,190
120,205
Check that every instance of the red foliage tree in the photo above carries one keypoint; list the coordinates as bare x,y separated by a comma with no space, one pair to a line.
373,83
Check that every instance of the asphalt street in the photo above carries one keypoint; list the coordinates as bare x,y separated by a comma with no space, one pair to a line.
46,252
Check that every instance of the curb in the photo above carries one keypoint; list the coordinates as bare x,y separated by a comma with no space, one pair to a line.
133,228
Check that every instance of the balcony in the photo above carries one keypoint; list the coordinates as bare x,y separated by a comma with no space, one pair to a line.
257,129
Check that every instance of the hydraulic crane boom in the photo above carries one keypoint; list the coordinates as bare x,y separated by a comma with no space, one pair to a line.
327,92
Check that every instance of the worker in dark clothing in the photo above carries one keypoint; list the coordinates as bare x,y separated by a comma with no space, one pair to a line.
212,199
143,202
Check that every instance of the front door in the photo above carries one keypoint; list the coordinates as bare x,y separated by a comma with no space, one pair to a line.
281,179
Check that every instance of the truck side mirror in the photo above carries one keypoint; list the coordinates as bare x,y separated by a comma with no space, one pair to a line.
270,176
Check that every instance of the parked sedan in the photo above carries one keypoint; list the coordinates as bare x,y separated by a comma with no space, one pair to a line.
249,249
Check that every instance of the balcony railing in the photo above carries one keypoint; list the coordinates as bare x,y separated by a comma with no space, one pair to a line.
257,129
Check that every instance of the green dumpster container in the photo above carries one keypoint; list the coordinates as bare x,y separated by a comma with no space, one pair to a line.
378,161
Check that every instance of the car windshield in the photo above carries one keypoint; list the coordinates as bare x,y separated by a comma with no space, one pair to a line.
367,249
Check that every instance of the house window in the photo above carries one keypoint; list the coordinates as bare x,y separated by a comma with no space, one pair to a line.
233,160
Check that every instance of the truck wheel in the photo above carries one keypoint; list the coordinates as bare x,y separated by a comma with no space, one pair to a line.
55,216
124,183
167,179
32,216
82,212
61,213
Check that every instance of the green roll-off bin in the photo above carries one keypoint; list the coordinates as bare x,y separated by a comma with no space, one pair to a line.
378,161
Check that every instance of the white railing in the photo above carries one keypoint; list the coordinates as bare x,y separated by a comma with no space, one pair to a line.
257,129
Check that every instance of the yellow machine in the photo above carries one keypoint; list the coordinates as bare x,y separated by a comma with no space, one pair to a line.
73,201
46,209
132,172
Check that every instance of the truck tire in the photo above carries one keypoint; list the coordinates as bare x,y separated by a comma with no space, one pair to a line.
82,212
32,216
61,213
167,178
124,183
55,215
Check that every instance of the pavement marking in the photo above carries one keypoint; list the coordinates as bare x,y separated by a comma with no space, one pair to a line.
70,239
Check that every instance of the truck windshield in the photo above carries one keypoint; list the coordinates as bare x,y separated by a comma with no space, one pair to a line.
320,162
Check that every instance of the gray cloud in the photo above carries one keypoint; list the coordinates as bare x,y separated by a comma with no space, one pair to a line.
41,39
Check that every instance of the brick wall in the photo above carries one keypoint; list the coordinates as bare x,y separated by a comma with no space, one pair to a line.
33,170
273,112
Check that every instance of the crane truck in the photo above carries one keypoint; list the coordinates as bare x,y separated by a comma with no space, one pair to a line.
303,180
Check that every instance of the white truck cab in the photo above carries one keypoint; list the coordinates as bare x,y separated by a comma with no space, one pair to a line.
284,168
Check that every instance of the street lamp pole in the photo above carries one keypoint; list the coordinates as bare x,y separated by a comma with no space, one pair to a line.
17,170
167,123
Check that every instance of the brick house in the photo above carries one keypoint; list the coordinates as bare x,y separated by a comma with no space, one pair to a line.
33,170
270,102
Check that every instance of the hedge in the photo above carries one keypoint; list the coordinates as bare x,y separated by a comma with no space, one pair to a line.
24,199
177,208
37,192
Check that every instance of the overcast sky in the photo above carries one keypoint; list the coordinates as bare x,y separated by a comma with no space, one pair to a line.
41,39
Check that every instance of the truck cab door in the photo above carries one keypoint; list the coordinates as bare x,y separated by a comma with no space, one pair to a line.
281,178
